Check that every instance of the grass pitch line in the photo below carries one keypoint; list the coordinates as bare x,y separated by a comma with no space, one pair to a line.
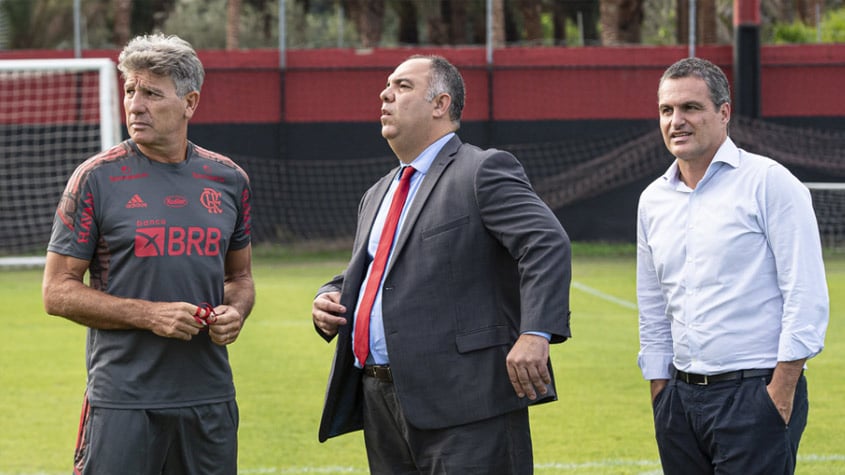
600,464
560,467
604,296
298,470
650,466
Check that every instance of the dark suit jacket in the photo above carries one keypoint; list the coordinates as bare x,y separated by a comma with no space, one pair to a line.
479,259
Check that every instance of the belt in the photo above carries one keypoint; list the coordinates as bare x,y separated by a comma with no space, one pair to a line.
704,379
379,372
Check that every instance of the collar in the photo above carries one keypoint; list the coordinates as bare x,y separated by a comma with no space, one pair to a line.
727,154
424,160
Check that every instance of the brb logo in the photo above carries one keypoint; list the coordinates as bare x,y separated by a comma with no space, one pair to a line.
154,241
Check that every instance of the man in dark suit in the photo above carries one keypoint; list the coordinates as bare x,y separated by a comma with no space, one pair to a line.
444,327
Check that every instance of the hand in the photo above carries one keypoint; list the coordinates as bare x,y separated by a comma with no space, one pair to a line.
782,386
325,311
225,326
782,402
528,366
174,320
657,386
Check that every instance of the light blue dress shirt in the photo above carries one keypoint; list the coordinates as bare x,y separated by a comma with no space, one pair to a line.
378,345
729,275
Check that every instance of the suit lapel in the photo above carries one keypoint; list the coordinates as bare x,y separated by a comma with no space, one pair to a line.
357,269
438,166
370,210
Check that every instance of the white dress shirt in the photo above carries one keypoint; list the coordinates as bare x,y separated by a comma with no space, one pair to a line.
729,275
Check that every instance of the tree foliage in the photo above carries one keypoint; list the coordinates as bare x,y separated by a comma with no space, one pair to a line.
831,30
48,24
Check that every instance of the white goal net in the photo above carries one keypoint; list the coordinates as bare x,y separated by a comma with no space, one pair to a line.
829,204
53,115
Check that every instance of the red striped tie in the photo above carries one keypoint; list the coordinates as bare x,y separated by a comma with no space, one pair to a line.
362,320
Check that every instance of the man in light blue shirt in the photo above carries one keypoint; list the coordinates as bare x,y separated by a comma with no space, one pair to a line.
378,344
731,290
457,286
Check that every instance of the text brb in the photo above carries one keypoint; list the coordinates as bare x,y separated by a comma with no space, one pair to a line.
177,241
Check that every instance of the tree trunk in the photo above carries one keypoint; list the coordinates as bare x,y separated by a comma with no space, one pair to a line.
589,12
621,21
408,33
122,21
161,10
807,11
478,12
559,23
780,10
367,15
457,15
233,23
267,14
531,12
438,32
705,19
498,23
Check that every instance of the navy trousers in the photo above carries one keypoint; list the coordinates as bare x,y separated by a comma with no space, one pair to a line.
730,427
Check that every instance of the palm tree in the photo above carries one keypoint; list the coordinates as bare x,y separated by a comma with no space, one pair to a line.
531,11
807,10
621,21
38,24
233,22
705,19
122,21
368,16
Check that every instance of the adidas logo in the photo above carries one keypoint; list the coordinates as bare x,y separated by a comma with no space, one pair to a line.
136,202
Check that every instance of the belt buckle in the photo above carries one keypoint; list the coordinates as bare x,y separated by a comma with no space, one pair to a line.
704,382
379,372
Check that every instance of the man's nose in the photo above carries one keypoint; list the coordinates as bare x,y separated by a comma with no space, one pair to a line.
134,103
678,118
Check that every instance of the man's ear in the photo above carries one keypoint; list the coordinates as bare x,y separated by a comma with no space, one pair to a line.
725,112
442,103
192,100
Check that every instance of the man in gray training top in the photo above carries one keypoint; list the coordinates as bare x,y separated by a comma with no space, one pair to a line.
162,226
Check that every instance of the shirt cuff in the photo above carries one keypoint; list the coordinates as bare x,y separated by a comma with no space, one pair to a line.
655,366
547,336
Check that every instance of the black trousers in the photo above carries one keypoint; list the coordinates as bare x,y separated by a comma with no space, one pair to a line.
726,428
500,445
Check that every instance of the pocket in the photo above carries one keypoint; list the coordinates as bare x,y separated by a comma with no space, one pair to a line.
658,405
768,404
234,414
447,226
659,397
483,338
661,409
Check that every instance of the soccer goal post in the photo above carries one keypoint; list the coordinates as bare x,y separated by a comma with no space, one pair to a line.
829,205
54,113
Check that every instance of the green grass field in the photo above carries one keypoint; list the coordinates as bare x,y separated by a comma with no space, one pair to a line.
600,425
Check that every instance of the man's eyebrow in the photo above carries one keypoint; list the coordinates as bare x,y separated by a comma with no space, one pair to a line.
682,104
399,80
145,88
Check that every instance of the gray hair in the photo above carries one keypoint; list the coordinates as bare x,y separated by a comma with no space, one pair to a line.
712,75
445,77
162,55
